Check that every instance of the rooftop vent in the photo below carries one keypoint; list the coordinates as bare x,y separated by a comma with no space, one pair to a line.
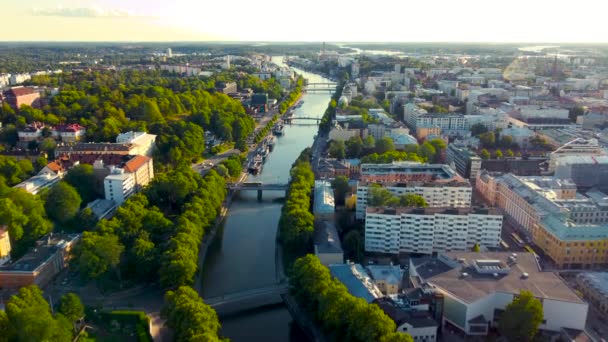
465,274
525,275
495,275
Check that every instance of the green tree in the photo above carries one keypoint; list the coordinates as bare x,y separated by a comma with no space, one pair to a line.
337,149
341,187
521,318
71,307
478,129
189,317
379,197
476,248
412,200
353,246
487,139
83,179
506,141
98,254
498,154
354,147
509,153
62,202
484,154
427,151
47,145
440,147
384,145
369,142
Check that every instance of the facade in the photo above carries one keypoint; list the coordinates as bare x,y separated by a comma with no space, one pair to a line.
520,135
388,278
341,134
418,324
5,245
464,161
330,168
142,169
31,132
450,124
143,143
119,186
477,287
400,172
594,286
69,132
19,96
41,265
429,230
570,227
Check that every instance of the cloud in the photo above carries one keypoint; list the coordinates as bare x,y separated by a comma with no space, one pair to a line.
82,12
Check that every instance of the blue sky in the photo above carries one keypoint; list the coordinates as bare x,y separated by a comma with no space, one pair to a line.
311,20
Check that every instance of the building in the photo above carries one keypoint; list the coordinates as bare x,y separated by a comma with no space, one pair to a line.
31,132
429,230
327,244
399,172
69,133
102,208
520,135
450,124
388,278
119,186
330,168
594,286
5,245
418,324
226,87
464,161
575,147
41,264
340,134
356,280
259,102
324,203
19,96
570,227
131,177
41,181
477,287
144,143
585,171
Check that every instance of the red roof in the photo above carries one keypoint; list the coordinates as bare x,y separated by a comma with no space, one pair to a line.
135,163
21,91
69,128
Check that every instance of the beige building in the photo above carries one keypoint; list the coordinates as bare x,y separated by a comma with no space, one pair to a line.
5,245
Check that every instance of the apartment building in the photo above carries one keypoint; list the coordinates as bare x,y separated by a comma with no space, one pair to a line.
463,160
429,230
438,184
123,182
585,171
570,227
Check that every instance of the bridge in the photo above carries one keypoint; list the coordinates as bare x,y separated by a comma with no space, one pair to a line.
233,303
258,186
290,119
320,87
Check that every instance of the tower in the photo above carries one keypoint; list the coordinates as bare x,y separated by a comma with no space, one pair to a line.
169,53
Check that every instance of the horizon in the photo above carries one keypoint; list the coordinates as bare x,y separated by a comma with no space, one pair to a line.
469,21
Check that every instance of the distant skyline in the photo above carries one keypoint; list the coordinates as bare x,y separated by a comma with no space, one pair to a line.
518,21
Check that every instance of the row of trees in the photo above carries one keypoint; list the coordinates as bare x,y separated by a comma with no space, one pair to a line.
330,112
296,225
294,94
342,316
383,150
382,197
28,317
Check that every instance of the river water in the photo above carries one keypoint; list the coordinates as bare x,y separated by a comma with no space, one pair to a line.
242,257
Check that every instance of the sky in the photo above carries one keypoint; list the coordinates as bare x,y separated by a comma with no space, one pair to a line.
310,20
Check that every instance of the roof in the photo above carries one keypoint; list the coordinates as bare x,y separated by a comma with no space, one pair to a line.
400,316
101,208
390,273
135,163
19,91
86,147
596,280
447,272
356,280
324,202
36,257
326,238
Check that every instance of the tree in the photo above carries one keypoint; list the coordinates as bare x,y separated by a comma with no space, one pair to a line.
478,129
189,317
476,248
509,153
354,147
337,149
487,139
83,179
379,197
62,202
427,151
498,154
71,307
384,145
30,318
412,200
575,112
353,246
369,142
341,187
506,141
440,147
521,318
98,254
484,154
47,145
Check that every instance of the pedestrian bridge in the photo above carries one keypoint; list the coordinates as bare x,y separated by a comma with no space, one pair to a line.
320,87
257,186
233,303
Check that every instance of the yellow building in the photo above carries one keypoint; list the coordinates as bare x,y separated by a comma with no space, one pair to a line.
5,245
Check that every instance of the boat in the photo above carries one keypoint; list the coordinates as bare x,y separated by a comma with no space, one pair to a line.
255,166
262,151
271,141
278,129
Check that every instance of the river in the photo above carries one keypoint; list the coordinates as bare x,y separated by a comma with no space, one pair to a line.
242,256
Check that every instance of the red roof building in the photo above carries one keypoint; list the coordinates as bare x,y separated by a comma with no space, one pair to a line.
16,97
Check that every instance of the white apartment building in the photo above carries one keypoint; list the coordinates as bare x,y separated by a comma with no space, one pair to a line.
457,195
428,230
119,186
450,124
410,112
143,143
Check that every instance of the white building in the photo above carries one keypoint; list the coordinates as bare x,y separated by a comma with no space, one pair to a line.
428,230
520,135
143,142
119,186
16,79
477,287
457,195
450,124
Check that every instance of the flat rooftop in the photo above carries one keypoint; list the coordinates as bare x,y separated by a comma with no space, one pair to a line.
37,256
447,272
432,211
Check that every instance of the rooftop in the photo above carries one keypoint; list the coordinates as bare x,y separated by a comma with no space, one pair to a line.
389,273
400,316
432,211
39,255
456,273
101,207
356,280
326,238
